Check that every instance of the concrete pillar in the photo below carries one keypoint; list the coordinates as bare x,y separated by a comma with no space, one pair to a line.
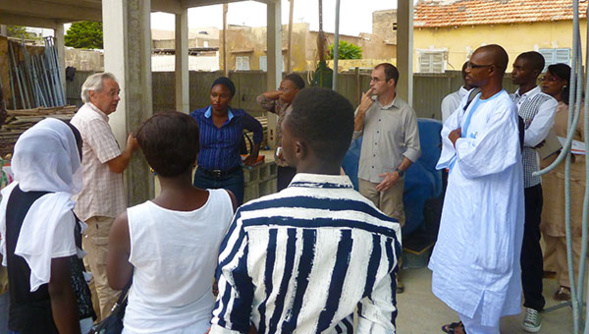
127,54
59,34
405,50
182,78
274,60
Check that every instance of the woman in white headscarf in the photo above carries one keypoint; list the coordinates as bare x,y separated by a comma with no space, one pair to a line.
39,231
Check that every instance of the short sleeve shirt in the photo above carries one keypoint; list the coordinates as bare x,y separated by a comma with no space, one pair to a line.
103,193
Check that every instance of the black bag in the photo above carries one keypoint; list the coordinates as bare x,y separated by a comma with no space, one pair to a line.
113,324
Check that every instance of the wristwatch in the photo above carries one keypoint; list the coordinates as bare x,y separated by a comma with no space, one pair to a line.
401,172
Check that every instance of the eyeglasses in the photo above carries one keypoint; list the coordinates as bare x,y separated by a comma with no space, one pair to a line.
375,79
471,65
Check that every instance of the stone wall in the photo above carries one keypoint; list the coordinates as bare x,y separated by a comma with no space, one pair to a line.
85,60
384,25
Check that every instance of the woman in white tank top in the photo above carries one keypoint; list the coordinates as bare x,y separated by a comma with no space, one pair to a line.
169,245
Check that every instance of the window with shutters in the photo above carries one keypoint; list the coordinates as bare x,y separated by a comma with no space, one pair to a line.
555,56
432,61
242,63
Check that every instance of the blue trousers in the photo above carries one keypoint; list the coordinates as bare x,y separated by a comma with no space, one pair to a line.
232,182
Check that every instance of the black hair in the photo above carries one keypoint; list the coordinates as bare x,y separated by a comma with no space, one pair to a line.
535,58
563,72
464,66
170,142
225,82
325,120
390,71
296,79
77,135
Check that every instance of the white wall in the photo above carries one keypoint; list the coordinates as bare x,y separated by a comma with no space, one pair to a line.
166,63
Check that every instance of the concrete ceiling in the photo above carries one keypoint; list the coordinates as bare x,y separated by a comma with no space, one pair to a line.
50,13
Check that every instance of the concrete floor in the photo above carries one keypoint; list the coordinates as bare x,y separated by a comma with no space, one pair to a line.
421,312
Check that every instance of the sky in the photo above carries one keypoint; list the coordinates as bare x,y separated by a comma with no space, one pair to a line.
355,15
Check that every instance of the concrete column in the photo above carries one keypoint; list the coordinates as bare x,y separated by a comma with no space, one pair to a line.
182,78
59,34
274,60
127,54
405,50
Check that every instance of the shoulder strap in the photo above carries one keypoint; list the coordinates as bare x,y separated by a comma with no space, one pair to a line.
473,93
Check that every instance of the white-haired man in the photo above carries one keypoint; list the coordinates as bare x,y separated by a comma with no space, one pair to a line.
102,197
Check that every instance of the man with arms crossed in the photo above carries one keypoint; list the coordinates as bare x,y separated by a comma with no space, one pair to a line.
475,262
103,195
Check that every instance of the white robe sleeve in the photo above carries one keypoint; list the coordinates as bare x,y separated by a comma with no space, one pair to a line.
487,154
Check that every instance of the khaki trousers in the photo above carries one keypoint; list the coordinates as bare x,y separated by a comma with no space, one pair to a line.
556,257
390,202
95,242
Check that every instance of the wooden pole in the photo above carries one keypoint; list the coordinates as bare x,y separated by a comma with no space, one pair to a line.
288,50
225,64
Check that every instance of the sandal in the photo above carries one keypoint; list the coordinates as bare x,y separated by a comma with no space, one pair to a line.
454,328
563,294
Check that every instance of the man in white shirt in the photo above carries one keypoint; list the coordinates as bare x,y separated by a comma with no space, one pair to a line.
452,100
537,111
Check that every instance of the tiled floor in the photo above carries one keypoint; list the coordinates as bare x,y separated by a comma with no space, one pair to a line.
421,312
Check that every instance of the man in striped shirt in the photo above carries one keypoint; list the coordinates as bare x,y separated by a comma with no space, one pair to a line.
311,256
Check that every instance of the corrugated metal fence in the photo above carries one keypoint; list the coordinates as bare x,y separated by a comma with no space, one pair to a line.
428,89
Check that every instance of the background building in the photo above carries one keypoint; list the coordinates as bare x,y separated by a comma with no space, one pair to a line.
446,32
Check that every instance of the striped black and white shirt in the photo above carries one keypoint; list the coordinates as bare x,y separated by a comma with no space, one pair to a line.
306,259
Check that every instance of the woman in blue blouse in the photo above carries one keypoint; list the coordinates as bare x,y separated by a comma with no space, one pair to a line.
221,131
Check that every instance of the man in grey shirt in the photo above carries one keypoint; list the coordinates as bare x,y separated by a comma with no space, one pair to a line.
390,142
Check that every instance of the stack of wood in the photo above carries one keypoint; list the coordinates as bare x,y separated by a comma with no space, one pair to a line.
18,121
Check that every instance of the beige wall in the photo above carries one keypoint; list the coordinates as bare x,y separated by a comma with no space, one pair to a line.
383,22
365,64
251,42
193,42
373,46
515,38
